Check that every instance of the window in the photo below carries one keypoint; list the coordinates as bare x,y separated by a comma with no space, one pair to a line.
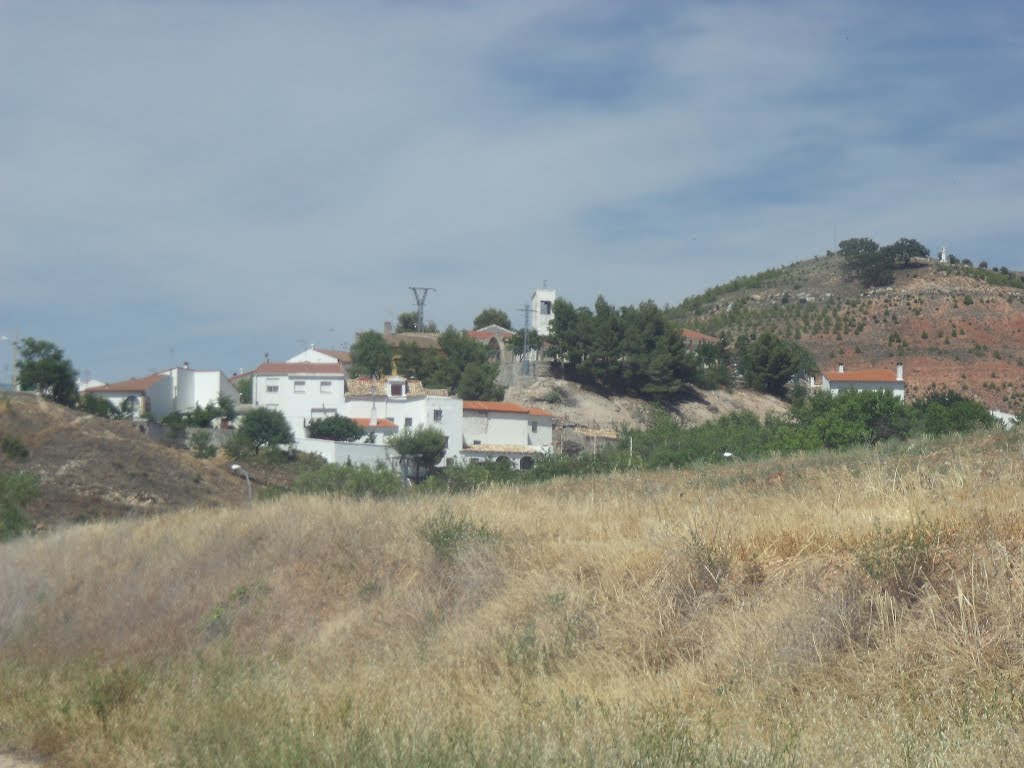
545,307
396,389
300,387
325,387
408,421
446,443
533,426
271,388
438,414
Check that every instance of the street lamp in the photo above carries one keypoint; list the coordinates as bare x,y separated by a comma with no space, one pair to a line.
236,468
14,361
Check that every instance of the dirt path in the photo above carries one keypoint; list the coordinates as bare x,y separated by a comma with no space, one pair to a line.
10,761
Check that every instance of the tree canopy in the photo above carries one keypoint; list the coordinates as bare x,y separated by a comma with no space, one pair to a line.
492,316
875,266
632,349
263,427
769,362
371,355
42,368
424,447
337,428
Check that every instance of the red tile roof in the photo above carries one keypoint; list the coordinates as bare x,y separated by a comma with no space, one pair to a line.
381,423
130,385
287,369
339,355
867,375
496,407
697,336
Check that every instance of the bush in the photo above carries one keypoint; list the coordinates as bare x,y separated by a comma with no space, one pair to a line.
13,448
374,482
17,491
448,534
202,445
337,428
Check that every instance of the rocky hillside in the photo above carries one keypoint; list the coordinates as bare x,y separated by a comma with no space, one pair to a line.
951,326
94,468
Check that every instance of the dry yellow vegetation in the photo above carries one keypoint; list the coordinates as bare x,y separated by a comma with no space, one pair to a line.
857,608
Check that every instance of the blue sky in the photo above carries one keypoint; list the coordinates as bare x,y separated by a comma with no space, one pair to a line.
212,181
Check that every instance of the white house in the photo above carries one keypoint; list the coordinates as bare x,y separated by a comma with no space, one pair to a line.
495,430
867,380
147,397
542,310
180,390
301,391
408,404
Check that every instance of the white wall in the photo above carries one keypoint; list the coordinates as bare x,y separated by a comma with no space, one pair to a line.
300,397
365,454
541,315
898,388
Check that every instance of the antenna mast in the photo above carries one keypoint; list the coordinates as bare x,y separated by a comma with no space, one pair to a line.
421,301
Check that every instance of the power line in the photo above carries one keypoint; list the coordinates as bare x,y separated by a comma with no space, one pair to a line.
421,301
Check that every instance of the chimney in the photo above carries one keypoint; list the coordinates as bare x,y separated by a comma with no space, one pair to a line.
373,414
841,368
899,371
387,327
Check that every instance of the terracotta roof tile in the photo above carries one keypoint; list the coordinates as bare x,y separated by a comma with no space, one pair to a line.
130,385
381,423
697,336
873,375
496,407
287,369
503,449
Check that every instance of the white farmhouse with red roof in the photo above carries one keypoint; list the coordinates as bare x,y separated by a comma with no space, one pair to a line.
867,380
494,430
176,390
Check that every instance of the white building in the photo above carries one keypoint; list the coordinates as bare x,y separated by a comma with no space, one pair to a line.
308,390
868,380
408,404
542,310
180,390
302,391
498,430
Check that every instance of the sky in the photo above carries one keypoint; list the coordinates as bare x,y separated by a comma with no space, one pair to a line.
219,180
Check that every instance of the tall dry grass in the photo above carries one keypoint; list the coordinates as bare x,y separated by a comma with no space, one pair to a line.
863,608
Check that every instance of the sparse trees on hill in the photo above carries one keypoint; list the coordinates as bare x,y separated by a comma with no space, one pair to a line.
875,266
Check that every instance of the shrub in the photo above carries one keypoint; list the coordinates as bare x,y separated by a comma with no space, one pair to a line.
337,428
17,491
448,534
362,481
202,445
13,448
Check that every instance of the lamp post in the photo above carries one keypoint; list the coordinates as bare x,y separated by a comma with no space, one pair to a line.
236,468
14,361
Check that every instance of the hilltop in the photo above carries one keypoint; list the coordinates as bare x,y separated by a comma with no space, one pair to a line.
951,326
92,467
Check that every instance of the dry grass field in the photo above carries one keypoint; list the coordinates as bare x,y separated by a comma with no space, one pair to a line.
858,608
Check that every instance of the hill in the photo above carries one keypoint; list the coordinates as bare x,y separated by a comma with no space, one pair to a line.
93,468
854,608
951,326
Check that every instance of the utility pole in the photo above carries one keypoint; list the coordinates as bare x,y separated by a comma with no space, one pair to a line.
526,337
421,299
